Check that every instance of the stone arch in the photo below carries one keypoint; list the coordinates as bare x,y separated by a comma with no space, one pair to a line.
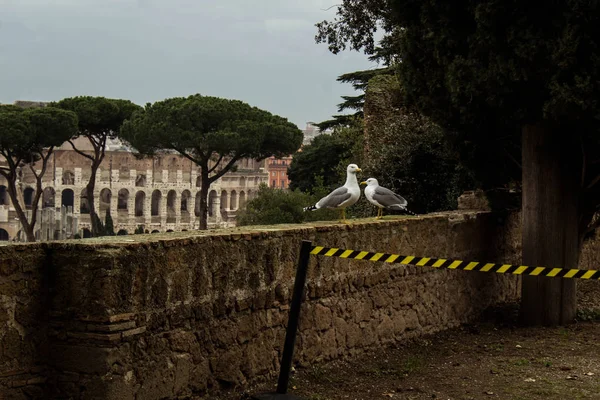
155,205
84,206
140,203
140,180
4,237
242,200
27,197
224,200
68,178
256,180
185,201
233,200
155,231
67,198
243,181
212,196
122,199
86,233
4,198
48,197
104,201
171,206
198,181
249,195
122,232
197,207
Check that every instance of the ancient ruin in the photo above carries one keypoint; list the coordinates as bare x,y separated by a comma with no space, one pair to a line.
159,194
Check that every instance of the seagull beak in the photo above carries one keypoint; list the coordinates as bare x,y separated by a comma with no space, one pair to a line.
363,183
358,170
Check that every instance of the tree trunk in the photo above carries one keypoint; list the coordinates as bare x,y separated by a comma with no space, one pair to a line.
89,190
552,168
27,227
205,185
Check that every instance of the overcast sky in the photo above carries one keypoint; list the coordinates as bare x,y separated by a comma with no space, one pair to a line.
262,52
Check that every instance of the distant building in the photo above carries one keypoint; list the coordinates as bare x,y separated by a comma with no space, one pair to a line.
312,131
277,170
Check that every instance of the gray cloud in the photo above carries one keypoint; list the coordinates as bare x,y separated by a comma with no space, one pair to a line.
261,52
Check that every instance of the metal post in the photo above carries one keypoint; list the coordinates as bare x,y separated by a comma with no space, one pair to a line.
293,318
292,327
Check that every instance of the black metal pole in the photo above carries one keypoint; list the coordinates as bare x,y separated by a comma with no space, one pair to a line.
293,318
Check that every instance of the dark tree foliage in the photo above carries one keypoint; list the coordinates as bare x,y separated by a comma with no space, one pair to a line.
27,140
320,158
275,206
359,81
498,63
204,128
323,162
355,25
100,120
503,71
337,121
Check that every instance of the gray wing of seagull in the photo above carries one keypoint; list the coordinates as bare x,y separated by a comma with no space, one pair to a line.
335,198
389,199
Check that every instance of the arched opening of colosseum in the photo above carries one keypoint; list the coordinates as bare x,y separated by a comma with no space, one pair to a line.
123,199
140,180
86,233
242,181
185,201
256,180
84,206
224,200
197,206
28,197
155,206
68,178
3,196
199,181
4,235
233,201
122,232
242,199
212,197
104,201
171,204
67,198
48,197
140,203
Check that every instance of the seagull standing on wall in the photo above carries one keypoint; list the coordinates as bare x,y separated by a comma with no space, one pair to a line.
384,198
341,197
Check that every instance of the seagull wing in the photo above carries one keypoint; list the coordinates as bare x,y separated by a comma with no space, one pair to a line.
335,198
389,199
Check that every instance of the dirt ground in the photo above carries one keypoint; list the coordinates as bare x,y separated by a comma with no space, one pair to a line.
491,359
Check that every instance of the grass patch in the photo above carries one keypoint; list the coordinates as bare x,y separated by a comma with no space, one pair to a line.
588,315
521,362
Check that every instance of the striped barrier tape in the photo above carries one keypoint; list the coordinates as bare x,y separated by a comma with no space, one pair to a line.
456,264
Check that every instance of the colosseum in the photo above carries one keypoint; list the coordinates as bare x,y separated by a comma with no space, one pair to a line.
152,194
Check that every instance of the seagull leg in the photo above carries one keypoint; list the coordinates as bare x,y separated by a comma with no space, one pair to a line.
378,213
343,220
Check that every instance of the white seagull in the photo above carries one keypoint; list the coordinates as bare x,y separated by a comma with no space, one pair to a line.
341,197
384,198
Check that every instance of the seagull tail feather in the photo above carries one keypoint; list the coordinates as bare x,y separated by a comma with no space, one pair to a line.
403,209
310,208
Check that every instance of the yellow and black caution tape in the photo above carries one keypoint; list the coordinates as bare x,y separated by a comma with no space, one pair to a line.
456,264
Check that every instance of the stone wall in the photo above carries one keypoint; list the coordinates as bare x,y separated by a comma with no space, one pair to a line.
160,316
